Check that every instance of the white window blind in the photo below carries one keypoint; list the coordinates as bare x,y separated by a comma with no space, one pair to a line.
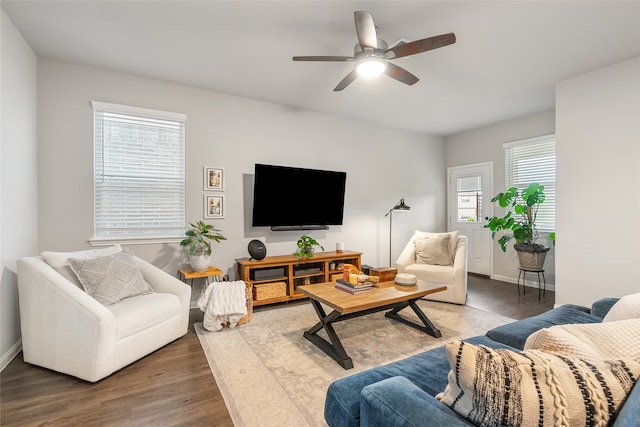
534,160
139,172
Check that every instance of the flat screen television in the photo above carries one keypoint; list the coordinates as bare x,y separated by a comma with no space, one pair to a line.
290,198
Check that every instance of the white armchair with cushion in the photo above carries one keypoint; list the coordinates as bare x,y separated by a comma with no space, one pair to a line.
66,329
438,258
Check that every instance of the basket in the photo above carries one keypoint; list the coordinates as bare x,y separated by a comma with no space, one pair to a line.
245,319
249,295
264,291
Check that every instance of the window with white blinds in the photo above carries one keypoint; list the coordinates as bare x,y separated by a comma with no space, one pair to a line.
534,160
139,175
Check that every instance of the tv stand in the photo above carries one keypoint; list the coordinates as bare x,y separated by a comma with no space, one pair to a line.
298,227
276,278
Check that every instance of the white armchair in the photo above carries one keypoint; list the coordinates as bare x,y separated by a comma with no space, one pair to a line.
67,330
453,276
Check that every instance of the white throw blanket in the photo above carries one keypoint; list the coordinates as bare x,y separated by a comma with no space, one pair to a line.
223,302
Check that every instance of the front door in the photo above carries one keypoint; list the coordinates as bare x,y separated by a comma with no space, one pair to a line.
469,208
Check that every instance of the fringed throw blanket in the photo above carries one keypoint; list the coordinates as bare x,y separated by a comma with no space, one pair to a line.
222,303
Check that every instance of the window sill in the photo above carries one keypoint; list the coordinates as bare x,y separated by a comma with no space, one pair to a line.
109,241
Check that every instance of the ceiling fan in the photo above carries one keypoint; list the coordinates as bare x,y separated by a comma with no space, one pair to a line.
373,54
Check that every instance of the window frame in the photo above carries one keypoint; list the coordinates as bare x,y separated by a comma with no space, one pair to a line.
543,227
102,240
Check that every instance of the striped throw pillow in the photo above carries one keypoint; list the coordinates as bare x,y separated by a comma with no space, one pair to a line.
533,388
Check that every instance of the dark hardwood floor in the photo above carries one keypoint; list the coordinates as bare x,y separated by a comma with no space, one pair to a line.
174,385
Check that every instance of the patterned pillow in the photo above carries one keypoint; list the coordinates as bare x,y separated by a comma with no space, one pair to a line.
110,278
590,341
627,307
533,388
433,250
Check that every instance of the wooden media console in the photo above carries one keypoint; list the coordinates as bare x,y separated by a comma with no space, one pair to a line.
276,278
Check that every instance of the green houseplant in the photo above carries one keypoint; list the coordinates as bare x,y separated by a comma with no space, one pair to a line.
198,242
520,220
306,246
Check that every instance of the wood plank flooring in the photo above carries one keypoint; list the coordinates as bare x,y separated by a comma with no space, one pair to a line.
174,385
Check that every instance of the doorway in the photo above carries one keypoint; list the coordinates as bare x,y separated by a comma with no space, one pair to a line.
469,190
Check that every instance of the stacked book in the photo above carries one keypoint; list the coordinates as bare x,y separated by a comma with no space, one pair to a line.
354,289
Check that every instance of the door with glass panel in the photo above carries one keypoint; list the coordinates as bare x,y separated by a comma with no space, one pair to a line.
469,207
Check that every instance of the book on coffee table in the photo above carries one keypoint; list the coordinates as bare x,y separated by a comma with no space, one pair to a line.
353,289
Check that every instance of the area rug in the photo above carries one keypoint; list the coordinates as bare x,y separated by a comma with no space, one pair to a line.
270,375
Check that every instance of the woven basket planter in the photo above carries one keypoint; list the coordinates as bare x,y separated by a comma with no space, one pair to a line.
531,257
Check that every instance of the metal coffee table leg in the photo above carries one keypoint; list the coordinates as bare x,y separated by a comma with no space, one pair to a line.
334,348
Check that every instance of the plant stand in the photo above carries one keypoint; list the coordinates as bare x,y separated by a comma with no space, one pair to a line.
523,272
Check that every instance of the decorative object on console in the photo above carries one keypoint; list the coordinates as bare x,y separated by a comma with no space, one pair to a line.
520,219
198,241
257,249
213,178
306,246
214,206
400,206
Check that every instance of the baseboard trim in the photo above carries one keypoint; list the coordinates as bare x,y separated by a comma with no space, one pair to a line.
10,355
529,283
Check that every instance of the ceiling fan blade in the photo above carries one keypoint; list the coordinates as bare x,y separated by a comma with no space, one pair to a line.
420,46
400,74
349,78
323,58
366,30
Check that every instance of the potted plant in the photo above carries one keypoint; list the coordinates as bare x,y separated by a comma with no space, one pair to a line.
198,241
520,219
306,247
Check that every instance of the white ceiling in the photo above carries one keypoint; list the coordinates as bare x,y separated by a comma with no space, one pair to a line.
507,58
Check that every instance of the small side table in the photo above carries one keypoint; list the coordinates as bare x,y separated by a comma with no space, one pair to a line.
523,273
211,273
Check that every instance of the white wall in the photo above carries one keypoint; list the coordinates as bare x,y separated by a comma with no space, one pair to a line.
598,220
485,144
18,175
382,165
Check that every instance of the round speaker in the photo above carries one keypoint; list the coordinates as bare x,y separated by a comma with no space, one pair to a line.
257,249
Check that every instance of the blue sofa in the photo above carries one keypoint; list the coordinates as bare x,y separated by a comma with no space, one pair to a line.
402,393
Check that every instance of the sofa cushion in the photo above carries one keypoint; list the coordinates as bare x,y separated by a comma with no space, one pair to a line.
628,307
397,402
427,370
534,388
592,341
515,334
110,278
432,273
59,261
140,312
601,307
433,250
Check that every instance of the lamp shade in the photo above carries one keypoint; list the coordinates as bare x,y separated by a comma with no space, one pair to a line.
401,206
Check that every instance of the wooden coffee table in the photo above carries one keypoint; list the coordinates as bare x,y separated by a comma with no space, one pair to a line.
387,296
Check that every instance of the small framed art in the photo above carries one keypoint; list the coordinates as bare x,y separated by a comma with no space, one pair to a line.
213,178
214,206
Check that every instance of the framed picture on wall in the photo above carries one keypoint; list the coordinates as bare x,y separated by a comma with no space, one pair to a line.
214,206
213,178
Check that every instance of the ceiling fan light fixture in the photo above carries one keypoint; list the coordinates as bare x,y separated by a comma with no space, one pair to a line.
371,68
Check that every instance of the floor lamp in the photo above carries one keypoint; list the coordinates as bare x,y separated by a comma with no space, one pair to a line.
400,206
